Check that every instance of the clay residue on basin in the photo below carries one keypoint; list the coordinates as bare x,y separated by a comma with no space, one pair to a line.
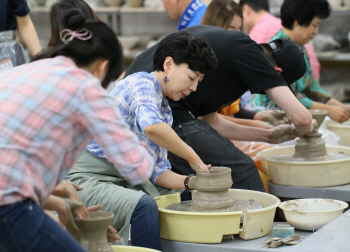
329,157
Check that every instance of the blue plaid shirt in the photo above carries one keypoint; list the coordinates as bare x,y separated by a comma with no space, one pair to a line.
141,102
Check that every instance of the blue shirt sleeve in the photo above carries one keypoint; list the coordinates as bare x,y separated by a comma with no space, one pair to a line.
142,102
162,165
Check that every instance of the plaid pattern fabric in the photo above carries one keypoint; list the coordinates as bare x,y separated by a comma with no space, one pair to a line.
49,111
141,103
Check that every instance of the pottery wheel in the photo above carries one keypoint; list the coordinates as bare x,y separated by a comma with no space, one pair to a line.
239,205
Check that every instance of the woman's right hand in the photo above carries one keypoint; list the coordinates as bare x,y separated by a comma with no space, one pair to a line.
201,167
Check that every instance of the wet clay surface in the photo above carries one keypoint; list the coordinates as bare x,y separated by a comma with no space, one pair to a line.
311,147
213,195
238,205
94,231
212,190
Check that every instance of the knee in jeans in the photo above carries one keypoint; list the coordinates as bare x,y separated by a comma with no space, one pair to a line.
148,204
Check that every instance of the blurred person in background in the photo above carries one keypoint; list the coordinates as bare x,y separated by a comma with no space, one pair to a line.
14,18
301,20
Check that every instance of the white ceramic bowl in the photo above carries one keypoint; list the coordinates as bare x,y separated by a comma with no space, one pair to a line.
312,214
341,129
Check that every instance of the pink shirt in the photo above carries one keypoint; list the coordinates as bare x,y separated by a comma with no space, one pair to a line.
49,111
267,26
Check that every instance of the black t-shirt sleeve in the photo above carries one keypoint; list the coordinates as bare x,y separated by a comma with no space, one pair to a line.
19,7
256,70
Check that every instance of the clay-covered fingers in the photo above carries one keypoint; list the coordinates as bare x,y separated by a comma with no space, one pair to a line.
201,168
73,207
282,133
276,117
67,218
112,235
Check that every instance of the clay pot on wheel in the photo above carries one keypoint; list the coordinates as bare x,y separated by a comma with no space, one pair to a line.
212,190
134,3
94,231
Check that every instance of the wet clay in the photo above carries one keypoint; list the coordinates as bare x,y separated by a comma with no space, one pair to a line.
213,194
94,231
212,190
312,145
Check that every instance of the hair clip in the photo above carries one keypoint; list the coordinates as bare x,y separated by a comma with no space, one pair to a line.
68,35
165,79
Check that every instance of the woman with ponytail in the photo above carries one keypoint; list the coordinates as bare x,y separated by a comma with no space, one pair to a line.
50,110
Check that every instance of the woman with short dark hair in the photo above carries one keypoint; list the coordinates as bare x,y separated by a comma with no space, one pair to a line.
300,20
179,64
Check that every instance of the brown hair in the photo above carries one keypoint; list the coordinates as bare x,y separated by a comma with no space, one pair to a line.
58,12
221,12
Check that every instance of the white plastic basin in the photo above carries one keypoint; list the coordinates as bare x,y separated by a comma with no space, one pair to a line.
306,174
342,130
312,214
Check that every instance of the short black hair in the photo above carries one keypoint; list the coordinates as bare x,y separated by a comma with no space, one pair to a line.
303,11
256,5
185,48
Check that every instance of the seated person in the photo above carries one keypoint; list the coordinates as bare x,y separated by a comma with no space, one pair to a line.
242,65
50,110
300,20
179,64
262,26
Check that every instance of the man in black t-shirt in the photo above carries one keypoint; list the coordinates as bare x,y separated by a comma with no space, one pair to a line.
242,66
